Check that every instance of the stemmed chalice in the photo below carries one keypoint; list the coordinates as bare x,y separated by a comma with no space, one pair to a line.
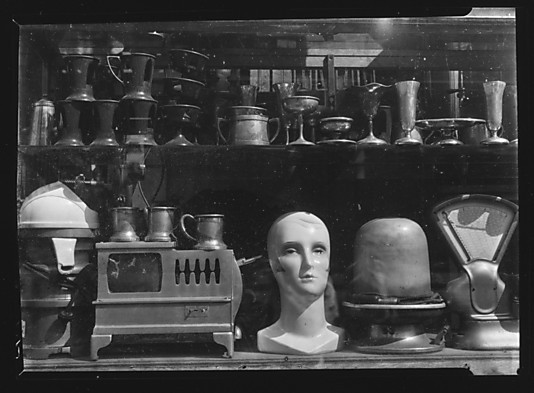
301,105
407,100
282,91
494,91
370,95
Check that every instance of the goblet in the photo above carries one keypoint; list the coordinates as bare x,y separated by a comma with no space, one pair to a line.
369,96
301,105
282,91
407,98
494,91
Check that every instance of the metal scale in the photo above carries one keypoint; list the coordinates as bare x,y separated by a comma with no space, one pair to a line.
478,228
153,288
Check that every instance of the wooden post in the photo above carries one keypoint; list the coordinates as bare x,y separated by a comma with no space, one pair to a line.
330,80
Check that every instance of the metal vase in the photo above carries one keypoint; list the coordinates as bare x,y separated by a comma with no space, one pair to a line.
138,116
407,102
494,91
73,115
81,71
104,115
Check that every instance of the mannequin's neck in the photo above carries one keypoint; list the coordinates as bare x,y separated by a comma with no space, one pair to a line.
302,318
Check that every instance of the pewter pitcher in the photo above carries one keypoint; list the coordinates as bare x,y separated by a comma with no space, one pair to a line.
249,130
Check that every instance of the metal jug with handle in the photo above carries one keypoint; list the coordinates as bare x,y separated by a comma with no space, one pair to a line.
249,129
209,230
139,67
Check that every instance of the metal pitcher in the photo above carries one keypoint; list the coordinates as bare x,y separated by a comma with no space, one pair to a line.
209,230
81,70
140,69
248,130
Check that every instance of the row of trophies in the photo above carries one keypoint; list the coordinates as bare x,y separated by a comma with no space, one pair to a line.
249,123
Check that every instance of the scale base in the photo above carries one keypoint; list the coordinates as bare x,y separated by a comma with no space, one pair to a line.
449,142
408,141
485,335
495,141
371,140
396,339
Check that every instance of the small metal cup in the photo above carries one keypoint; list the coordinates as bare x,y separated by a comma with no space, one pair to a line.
209,230
126,223
160,224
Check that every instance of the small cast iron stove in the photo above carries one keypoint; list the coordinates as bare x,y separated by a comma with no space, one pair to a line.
152,288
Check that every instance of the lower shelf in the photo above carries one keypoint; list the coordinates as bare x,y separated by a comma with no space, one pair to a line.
188,359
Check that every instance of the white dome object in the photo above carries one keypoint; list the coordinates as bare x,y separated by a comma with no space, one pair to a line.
56,206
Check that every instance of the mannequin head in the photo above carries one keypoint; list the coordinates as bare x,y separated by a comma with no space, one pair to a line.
298,245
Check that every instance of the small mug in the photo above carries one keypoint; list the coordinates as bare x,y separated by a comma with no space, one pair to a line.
209,231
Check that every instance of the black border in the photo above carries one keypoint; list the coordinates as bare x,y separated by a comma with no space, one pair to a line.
98,11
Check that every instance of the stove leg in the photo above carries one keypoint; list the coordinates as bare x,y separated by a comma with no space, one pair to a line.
226,339
99,341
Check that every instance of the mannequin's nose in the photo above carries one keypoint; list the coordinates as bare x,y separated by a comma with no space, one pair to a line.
307,259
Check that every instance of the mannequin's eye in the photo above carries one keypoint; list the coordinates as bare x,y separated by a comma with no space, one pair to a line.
319,250
290,251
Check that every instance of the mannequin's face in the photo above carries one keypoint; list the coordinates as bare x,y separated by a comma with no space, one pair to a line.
299,252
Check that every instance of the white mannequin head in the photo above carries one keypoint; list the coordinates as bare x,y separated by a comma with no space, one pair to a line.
298,245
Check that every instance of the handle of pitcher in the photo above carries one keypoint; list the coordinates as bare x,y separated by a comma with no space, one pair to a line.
277,121
219,120
182,226
111,69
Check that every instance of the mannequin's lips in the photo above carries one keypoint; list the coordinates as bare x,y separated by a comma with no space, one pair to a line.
307,277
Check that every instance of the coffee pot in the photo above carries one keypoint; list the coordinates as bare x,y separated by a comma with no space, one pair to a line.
137,69
43,122
81,71
209,231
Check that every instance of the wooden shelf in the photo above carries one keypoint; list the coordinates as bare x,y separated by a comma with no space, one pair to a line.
476,362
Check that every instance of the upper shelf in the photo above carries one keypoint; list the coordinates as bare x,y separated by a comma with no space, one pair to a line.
482,30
